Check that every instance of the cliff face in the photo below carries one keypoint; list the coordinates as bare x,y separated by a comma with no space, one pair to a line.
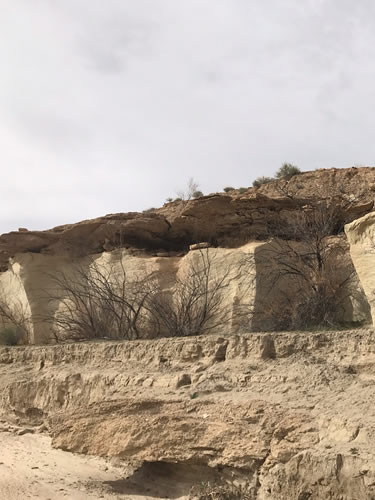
290,414
361,237
239,228
222,219
249,299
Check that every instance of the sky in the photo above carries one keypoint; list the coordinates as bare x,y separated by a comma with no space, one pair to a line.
111,106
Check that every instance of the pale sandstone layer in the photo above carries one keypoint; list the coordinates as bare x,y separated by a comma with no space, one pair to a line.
30,280
250,300
156,243
290,412
361,237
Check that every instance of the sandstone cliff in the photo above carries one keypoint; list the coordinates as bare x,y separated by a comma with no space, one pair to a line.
238,227
361,236
289,415
224,219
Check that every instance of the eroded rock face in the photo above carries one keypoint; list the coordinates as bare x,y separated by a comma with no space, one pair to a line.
291,413
31,282
361,237
237,228
222,219
250,299
297,422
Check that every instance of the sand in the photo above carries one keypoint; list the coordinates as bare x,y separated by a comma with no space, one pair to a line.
31,468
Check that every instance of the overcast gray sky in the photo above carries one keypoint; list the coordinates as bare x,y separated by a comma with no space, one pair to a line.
111,105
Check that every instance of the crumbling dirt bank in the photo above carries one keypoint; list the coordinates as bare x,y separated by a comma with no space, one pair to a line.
292,413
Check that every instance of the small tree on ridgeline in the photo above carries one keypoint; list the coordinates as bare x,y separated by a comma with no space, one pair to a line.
192,191
287,171
259,181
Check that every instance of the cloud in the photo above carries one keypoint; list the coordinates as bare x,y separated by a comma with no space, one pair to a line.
112,106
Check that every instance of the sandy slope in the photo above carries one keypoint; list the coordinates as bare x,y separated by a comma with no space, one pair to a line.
31,468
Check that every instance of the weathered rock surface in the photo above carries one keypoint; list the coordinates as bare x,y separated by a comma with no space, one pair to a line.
29,284
30,280
361,237
224,219
291,412
235,228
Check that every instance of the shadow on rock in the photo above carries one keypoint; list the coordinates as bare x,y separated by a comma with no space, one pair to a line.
164,480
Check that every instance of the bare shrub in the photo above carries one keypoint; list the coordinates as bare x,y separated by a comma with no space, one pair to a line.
10,336
96,302
259,181
191,191
287,171
15,321
223,491
302,261
197,194
195,305
99,303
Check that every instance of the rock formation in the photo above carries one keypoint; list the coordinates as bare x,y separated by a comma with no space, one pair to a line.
290,414
237,227
250,298
361,236
222,219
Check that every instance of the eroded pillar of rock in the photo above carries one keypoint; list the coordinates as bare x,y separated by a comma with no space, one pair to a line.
361,237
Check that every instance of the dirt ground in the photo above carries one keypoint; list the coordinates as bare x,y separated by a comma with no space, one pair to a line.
31,468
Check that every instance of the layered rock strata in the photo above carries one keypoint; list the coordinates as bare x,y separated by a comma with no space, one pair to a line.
291,413
224,219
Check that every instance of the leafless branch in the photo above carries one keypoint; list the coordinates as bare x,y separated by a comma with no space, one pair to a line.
196,305
96,302
14,315
300,260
